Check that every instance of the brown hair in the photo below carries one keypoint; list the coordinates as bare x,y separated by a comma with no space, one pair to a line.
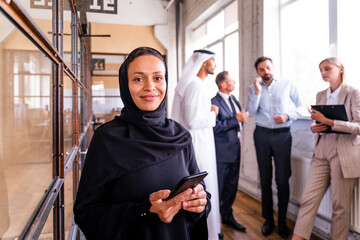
221,78
262,59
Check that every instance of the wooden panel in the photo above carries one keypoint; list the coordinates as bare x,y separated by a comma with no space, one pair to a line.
124,38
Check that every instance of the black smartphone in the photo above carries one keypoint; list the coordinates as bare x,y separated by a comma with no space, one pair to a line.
187,182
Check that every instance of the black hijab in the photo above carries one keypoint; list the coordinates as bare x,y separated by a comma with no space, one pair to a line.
136,139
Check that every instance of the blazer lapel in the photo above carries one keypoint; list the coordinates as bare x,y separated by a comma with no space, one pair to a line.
342,95
322,98
342,100
223,104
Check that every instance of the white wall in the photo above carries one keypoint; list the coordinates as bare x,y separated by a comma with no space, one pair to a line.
166,35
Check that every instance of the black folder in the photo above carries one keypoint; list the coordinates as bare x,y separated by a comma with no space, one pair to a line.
335,112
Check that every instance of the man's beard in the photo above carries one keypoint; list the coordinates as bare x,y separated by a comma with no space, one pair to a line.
209,71
268,78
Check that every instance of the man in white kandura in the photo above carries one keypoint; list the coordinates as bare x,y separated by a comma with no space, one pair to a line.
192,108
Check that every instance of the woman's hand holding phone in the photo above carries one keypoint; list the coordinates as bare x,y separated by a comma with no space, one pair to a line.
166,210
188,194
196,202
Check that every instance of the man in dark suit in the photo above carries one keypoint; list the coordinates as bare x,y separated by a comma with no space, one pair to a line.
227,145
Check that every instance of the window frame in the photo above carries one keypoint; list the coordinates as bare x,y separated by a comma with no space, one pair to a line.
53,198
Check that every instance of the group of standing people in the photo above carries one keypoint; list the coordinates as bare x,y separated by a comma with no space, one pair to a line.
268,100
134,160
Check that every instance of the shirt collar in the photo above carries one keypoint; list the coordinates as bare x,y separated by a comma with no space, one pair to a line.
224,96
334,94
273,81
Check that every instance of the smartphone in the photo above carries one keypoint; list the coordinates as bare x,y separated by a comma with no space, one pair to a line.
187,182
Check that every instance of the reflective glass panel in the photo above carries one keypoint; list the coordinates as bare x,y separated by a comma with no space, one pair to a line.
231,17
232,59
68,117
67,38
25,128
105,87
210,81
304,43
348,47
86,111
68,201
215,27
79,58
80,110
67,59
200,37
41,12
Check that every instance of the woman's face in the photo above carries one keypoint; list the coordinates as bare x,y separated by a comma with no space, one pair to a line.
147,84
330,72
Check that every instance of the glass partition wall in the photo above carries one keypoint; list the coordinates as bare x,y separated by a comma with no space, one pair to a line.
220,34
106,102
45,118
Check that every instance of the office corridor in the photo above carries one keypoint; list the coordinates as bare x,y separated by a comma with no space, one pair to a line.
247,211
59,67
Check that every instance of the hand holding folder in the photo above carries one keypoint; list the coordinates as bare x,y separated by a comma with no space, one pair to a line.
335,112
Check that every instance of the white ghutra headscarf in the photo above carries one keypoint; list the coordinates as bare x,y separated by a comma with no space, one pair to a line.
191,69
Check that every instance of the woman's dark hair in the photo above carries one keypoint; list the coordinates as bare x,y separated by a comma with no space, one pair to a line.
125,95
220,78
262,59
141,51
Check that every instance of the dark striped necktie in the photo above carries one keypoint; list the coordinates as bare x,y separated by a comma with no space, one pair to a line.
232,105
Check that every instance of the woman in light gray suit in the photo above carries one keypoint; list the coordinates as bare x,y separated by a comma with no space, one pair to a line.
336,158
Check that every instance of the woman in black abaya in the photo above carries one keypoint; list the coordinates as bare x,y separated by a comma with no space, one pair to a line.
134,159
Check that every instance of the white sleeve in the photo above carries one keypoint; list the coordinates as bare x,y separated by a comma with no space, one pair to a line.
197,111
